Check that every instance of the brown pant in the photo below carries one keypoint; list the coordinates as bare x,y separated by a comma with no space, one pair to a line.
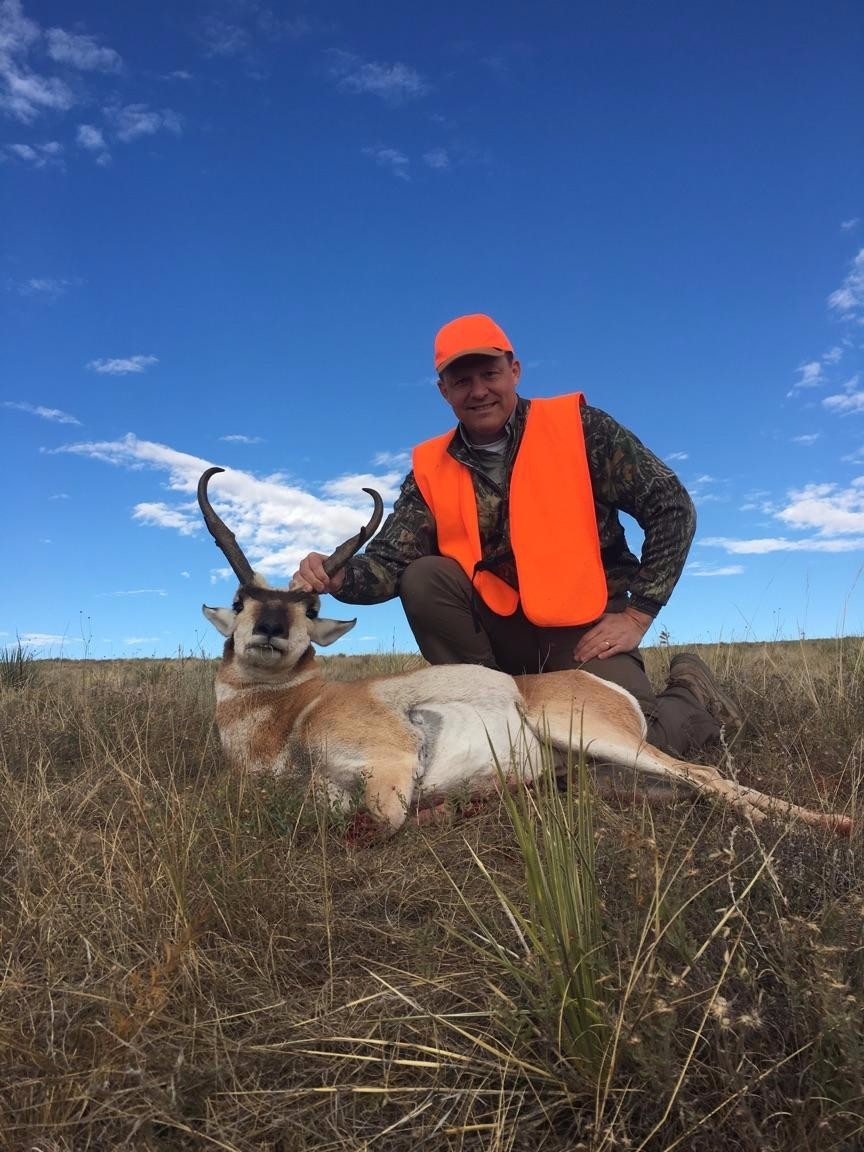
452,626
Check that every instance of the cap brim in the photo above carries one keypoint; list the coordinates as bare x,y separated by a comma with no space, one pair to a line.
487,351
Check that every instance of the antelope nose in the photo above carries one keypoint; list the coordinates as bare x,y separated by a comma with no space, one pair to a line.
270,629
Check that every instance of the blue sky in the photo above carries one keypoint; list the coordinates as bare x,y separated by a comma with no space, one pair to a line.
229,230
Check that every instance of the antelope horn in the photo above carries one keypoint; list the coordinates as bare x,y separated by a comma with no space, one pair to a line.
224,537
344,552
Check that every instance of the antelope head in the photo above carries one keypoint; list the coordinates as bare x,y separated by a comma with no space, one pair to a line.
269,631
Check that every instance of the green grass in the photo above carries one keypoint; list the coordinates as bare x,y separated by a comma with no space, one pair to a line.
194,959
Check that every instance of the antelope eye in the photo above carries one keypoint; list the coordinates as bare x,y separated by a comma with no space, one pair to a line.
311,612
237,605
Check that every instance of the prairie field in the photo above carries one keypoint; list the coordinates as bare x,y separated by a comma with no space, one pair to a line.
193,958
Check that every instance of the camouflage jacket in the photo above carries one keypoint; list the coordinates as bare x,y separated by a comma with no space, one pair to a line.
625,477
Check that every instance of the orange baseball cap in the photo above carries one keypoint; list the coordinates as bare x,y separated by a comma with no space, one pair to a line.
477,334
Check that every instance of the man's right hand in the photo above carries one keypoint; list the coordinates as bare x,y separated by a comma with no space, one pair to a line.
311,577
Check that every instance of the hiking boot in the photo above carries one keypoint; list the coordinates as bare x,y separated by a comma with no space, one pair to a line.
688,671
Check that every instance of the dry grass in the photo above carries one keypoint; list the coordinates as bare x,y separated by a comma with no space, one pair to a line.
194,960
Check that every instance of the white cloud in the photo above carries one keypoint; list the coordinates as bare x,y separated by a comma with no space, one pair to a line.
392,459
81,52
829,517
48,287
122,367
276,522
24,94
44,155
350,487
137,592
851,400
131,121
390,158
38,410
678,456
185,520
781,544
134,640
849,299
437,158
391,82
848,225
90,137
697,568
807,438
833,355
46,640
701,490
239,438
827,508
811,375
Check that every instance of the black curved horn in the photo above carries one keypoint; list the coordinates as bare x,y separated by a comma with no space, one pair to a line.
338,559
224,537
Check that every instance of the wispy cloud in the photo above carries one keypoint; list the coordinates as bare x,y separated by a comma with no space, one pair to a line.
239,438
392,459
698,568
437,158
391,158
850,225
92,139
46,640
276,522
53,414
391,82
828,517
244,28
768,544
24,93
136,592
132,121
81,52
46,287
678,456
123,366
848,300
810,375
47,155
349,487
702,489
850,400
807,438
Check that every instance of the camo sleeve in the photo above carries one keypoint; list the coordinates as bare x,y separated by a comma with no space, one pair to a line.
407,533
627,476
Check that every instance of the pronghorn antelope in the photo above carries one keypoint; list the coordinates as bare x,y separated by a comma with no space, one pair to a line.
405,742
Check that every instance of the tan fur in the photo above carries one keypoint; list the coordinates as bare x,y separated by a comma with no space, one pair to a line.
392,739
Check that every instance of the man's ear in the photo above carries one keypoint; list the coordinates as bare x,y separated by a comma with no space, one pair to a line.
517,370
442,387
222,619
324,632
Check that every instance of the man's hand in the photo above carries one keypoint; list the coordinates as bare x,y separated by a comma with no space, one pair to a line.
614,633
311,577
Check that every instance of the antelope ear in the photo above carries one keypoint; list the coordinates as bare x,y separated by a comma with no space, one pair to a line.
222,619
324,632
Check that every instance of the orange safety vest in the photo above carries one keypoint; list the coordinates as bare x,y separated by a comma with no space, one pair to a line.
553,524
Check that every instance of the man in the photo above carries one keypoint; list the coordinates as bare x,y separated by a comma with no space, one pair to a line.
506,549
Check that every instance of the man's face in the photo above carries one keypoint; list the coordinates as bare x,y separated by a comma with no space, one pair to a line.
481,390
